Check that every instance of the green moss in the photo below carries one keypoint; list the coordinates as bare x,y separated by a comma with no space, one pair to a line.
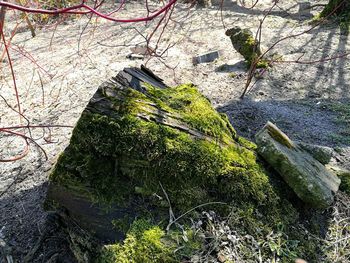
263,63
336,7
148,243
245,43
194,109
315,19
249,53
345,182
232,75
143,244
246,143
248,49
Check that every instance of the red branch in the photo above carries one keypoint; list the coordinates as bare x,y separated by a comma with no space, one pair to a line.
80,9
24,152
12,71
76,10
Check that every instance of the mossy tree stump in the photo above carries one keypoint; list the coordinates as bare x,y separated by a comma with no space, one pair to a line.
141,147
337,7
244,42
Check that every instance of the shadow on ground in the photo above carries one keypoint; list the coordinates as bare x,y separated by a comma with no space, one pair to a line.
30,234
322,122
301,11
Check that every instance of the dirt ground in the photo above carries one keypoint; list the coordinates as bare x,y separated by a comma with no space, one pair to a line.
59,70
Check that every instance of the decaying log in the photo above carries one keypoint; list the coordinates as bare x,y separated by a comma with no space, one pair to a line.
309,179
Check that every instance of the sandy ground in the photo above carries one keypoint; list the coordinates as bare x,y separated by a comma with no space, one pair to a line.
71,63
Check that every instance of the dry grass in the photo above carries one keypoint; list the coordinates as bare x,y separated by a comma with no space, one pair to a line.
225,244
337,241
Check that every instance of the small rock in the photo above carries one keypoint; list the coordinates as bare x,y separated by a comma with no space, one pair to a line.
338,170
320,153
205,58
344,176
135,56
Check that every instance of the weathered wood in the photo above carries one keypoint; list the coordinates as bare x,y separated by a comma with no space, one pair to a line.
89,215
309,179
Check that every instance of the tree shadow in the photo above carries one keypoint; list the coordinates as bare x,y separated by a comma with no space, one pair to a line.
320,72
238,66
302,14
29,232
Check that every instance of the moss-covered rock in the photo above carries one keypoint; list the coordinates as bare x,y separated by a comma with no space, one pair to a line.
344,176
245,43
322,154
138,151
310,180
170,137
